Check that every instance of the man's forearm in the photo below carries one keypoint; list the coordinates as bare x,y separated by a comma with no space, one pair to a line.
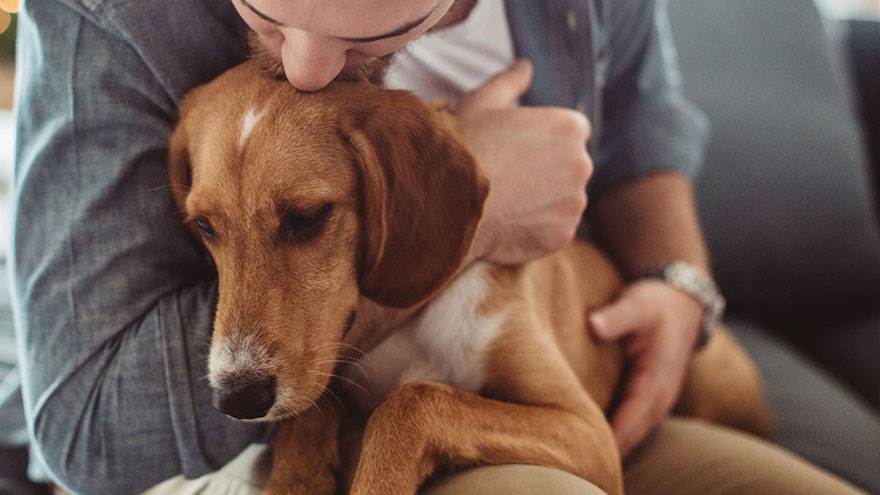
650,221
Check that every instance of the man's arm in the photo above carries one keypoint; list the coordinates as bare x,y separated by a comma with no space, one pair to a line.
644,212
651,221
113,299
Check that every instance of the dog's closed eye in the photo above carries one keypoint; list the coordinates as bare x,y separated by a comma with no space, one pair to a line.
299,226
207,229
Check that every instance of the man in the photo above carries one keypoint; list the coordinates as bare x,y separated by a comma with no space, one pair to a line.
114,301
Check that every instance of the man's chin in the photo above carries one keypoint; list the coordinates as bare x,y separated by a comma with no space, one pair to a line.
372,71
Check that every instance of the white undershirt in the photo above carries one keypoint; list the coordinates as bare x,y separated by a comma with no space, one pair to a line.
452,61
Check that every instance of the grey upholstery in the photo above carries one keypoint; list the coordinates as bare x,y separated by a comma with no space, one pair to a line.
786,205
785,198
814,416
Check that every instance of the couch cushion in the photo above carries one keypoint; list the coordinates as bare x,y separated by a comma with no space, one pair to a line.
785,198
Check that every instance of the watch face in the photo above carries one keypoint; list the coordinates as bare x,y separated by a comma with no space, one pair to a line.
691,280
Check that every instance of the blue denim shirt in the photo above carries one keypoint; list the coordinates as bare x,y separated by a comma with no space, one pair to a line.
113,298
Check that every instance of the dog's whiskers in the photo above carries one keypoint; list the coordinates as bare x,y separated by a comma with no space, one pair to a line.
205,378
340,377
333,394
360,368
172,188
338,361
314,403
340,345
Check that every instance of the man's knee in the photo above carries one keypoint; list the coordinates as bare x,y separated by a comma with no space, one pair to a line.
686,456
513,479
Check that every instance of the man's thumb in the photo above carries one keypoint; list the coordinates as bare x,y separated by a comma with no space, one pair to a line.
617,320
502,89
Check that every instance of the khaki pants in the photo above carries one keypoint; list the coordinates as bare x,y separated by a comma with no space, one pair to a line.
681,457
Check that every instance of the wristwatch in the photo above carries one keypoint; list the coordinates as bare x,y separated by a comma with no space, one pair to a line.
695,283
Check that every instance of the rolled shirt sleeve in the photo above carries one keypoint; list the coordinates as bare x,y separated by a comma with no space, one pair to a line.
646,123
113,299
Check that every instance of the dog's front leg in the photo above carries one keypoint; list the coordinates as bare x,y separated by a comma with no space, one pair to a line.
423,427
305,457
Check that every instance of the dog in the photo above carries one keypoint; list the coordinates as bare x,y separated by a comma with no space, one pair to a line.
319,208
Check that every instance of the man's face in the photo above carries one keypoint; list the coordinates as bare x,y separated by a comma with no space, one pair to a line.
311,42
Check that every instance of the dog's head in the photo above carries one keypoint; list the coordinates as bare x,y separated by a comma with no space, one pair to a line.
306,202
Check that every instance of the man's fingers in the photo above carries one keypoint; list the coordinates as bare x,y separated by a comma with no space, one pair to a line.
620,318
633,417
647,399
502,90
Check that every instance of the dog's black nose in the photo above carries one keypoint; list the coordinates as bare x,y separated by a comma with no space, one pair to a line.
246,399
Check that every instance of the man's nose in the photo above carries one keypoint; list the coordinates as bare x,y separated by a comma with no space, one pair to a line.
311,61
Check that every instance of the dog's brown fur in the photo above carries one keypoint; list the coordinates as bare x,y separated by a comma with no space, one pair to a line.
406,198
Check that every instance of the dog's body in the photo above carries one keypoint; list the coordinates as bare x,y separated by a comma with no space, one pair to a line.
355,195
517,335
473,335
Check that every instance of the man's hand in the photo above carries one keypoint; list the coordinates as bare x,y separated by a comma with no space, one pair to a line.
537,163
659,326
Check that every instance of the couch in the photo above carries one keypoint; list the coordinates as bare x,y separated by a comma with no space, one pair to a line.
786,199
788,206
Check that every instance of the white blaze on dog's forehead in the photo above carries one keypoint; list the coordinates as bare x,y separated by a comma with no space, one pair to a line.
251,119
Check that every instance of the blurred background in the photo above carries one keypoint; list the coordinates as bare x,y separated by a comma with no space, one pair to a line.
13,455
7,76
8,19
849,9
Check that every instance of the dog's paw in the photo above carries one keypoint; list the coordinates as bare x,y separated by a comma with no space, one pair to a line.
383,489
385,471
299,488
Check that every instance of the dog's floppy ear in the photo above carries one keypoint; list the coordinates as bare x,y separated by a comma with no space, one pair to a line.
180,168
422,198
179,157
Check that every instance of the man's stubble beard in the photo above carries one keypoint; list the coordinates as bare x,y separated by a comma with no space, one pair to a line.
372,71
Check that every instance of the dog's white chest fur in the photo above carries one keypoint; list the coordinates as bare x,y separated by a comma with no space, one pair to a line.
447,342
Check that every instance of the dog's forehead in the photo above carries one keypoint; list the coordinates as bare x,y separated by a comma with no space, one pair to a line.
287,139
271,149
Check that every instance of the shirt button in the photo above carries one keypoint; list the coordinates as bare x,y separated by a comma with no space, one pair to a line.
571,17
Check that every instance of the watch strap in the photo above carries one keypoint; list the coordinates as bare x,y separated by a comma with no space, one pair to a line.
694,282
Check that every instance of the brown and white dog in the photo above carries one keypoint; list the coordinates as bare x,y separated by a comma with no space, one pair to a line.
316,207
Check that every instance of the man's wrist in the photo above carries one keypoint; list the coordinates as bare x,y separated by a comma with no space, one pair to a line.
693,281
